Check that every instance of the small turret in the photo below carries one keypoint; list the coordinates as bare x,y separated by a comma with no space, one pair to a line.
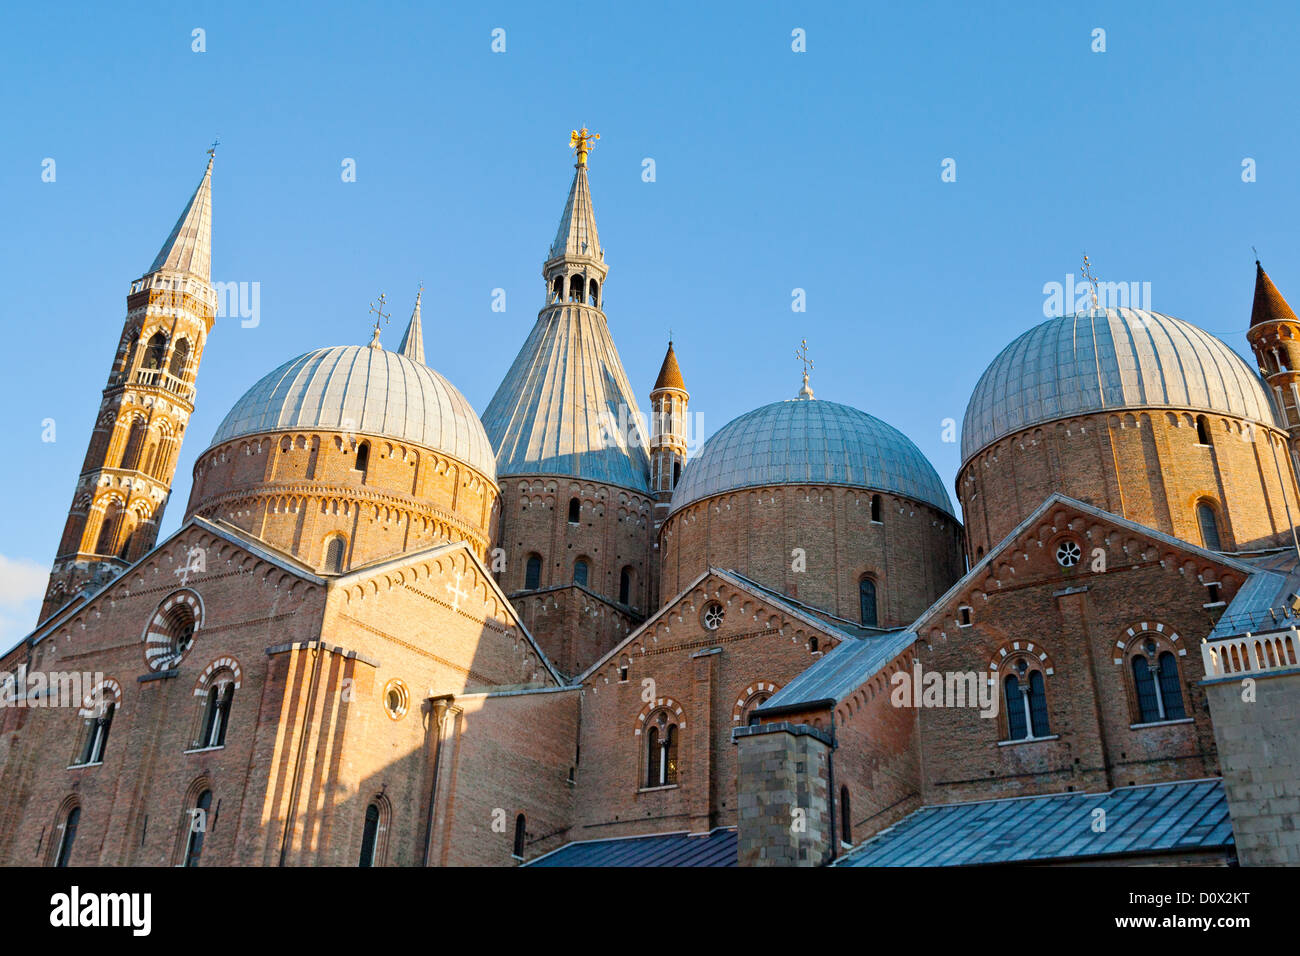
1274,335
668,401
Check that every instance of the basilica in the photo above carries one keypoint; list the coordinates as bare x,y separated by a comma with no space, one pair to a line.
391,631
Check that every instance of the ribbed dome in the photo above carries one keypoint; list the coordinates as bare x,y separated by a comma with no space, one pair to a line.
1107,360
367,390
801,441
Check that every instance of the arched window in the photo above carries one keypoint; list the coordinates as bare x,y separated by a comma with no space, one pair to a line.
677,471
1156,684
575,511
66,838
134,449
661,751
813,643
197,820
576,285
370,836
867,602
180,357
1202,430
875,508
625,586
533,572
334,550
593,293
363,458
557,289
156,351
580,571
521,832
1209,526
1026,701
623,665
216,710
846,817
95,735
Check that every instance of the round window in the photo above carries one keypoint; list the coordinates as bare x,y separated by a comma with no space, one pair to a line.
1068,553
713,615
396,699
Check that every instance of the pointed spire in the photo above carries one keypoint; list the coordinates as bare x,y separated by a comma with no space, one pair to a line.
577,238
189,247
670,374
413,341
1269,305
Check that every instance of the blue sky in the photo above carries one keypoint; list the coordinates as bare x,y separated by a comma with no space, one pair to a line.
775,170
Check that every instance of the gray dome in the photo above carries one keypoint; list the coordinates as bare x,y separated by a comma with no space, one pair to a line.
367,390
1140,359
805,441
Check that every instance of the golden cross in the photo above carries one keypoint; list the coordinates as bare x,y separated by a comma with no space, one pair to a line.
379,311
1092,279
583,140
801,353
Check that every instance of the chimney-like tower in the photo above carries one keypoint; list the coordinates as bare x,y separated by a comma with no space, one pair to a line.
668,400
1274,335
146,406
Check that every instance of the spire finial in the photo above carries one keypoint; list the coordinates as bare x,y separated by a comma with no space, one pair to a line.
380,316
1086,271
212,150
801,353
583,140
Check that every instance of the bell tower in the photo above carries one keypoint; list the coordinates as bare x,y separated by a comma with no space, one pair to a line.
126,478
1274,335
668,401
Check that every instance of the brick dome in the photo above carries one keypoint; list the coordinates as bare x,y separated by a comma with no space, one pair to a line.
364,390
809,440
1108,360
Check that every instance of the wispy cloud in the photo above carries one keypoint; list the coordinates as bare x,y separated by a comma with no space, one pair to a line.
22,585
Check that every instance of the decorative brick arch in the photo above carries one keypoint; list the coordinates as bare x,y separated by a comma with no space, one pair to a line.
752,690
220,664
157,635
1147,628
107,691
660,703
1012,648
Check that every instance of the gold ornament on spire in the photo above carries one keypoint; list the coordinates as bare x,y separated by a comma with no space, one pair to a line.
583,140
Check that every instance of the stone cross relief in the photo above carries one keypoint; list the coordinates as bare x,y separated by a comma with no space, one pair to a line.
456,592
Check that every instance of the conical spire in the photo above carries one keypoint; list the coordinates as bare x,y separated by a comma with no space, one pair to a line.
670,374
1269,305
577,238
189,247
413,341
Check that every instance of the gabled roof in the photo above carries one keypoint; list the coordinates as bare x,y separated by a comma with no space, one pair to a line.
1056,500
1166,817
718,848
189,247
255,546
1269,306
738,581
840,672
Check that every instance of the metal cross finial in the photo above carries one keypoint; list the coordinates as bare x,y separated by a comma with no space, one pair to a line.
801,353
379,312
212,150
1092,279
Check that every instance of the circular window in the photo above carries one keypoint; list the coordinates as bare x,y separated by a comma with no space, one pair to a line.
396,699
171,632
1068,554
713,615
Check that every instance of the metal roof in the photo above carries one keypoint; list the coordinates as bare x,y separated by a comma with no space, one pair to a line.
189,246
1108,359
841,670
1187,815
808,440
366,390
674,849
